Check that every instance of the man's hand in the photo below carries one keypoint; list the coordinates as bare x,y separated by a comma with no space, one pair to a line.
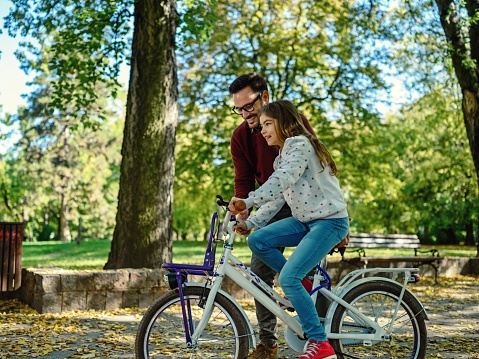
234,207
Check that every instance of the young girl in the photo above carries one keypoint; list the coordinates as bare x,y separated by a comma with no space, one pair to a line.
304,177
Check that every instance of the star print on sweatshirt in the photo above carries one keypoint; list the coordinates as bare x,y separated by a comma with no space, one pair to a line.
300,180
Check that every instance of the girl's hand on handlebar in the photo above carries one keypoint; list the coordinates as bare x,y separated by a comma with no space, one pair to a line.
243,216
240,227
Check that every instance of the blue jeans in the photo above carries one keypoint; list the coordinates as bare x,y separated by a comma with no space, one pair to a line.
313,241
267,321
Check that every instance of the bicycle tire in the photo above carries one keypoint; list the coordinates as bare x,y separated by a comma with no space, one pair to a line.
377,300
161,331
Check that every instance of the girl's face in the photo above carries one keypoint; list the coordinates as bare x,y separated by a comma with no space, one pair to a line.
268,130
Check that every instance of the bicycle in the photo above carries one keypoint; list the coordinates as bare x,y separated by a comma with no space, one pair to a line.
369,315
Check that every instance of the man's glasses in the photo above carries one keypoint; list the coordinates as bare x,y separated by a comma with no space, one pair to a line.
248,107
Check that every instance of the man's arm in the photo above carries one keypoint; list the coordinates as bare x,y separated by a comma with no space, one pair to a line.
244,173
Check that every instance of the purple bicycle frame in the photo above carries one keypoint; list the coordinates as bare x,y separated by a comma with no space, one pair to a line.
207,269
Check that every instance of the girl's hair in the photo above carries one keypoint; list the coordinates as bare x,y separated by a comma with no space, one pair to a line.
288,123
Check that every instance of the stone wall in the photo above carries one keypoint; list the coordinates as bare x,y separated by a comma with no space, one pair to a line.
58,290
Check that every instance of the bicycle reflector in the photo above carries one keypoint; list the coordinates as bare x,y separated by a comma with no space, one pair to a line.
415,278
170,279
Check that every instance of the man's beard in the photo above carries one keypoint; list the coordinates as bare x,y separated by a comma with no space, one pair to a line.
256,124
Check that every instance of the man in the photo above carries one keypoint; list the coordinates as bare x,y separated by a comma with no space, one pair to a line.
253,162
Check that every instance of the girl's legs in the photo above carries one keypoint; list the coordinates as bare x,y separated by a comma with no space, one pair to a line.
323,235
314,240
286,232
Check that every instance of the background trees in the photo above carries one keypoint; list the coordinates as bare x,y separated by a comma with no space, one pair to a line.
60,171
407,169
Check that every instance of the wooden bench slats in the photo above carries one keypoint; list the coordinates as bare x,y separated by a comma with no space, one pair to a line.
361,241
364,240
370,243
392,236
396,259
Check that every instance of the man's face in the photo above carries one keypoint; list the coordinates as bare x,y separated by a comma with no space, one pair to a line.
249,103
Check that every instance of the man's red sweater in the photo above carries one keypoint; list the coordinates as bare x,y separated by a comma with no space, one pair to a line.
253,158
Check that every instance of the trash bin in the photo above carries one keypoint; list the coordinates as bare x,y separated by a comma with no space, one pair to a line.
11,237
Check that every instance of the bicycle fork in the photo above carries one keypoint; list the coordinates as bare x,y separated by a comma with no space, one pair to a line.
192,332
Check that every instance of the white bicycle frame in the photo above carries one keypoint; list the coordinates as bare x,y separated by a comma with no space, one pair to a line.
242,276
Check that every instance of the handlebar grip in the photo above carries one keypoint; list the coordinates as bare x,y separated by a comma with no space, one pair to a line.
240,205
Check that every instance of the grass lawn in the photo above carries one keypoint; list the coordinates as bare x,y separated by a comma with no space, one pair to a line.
94,254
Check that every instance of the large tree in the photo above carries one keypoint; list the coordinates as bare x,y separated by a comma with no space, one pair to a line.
143,231
460,21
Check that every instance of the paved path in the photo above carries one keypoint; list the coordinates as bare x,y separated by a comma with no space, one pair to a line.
453,329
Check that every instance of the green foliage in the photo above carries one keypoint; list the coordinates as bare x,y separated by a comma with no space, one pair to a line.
77,47
439,176
197,20
422,179
203,170
332,59
85,43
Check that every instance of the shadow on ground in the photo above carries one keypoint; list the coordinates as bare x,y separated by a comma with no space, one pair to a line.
452,306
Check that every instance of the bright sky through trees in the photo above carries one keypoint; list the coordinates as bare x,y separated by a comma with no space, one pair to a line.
12,78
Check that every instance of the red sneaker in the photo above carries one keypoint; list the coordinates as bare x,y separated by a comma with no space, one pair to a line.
307,284
318,350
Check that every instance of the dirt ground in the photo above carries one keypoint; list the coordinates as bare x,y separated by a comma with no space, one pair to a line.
452,306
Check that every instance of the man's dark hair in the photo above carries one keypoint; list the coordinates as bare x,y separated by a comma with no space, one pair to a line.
253,80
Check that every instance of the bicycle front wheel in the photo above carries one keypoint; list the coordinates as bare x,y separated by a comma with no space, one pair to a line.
161,333
378,301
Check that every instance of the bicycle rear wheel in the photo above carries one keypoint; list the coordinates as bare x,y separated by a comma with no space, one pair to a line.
378,300
161,332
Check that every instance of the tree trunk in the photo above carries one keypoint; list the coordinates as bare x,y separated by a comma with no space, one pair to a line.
64,233
143,231
79,235
465,59
451,237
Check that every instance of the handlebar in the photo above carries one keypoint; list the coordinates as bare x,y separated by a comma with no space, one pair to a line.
221,202
239,205
230,219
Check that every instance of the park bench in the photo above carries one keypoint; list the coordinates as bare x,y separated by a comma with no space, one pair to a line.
11,237
359,242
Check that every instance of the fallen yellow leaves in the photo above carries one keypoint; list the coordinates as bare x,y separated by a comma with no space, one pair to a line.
452,307
88,334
